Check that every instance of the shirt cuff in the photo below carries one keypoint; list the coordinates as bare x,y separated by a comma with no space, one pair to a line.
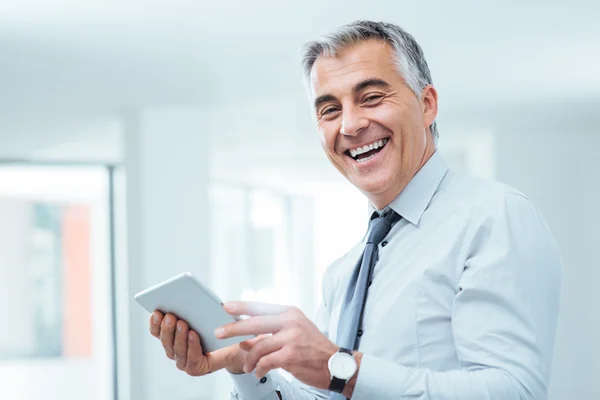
380,379
249,387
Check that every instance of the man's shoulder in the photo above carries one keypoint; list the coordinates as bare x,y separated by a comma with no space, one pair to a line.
481,194
492,206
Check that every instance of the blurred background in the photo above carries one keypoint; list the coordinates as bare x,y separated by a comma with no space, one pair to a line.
140,139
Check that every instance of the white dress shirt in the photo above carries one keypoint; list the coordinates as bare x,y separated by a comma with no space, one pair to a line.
464,300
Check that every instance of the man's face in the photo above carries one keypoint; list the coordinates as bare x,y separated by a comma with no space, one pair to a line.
372,126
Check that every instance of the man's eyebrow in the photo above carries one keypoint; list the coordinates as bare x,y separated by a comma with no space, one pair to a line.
324,99
371,82
357,88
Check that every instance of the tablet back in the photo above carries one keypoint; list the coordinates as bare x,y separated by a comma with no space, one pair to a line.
190,300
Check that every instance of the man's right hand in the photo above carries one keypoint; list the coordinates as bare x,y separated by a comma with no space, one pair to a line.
183,345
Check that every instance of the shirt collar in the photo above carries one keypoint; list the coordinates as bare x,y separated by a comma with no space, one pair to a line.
415,197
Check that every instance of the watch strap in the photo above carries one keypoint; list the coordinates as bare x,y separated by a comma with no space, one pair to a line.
337,385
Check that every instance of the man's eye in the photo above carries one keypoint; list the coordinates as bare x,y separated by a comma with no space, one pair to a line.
329,110
372,98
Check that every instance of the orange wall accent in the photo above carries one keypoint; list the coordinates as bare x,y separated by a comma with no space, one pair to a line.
77,307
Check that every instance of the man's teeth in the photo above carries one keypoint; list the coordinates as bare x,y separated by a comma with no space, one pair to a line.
375,145
360,160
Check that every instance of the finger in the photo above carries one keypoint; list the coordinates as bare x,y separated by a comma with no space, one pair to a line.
181,344
251,326
247,345
155,320
262,349
253,308
194,354
271,361
167,334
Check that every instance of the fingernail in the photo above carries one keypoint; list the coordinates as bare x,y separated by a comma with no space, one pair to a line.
230,306
190,337
156,320
179,328
168,321
219,332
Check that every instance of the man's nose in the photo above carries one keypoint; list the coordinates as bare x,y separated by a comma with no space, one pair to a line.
353,121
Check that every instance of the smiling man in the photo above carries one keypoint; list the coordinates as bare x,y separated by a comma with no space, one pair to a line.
452,294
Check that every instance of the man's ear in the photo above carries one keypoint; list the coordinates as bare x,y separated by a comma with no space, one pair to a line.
429,101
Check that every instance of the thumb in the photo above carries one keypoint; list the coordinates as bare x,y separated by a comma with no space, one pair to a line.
219,359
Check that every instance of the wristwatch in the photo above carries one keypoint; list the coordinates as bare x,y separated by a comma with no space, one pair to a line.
342,367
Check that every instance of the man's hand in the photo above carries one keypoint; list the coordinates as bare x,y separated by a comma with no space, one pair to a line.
296,344
183,345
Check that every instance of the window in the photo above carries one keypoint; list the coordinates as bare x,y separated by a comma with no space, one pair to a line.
55,283
249,240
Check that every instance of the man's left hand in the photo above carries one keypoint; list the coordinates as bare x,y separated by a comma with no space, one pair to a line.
296,344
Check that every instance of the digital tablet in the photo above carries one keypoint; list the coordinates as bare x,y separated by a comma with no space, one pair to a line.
188,299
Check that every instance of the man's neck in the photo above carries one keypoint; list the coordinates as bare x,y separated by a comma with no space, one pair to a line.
383,200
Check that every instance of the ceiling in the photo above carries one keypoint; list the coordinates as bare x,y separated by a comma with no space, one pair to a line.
102,55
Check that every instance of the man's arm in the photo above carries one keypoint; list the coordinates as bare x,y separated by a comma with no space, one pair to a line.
504,319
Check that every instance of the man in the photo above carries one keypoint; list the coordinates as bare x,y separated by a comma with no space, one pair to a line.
453,293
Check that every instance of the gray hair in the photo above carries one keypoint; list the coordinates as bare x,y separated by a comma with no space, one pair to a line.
409,55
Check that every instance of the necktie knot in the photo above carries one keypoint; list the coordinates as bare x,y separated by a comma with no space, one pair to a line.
380,226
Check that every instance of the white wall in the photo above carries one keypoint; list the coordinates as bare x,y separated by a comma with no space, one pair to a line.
558,169
66,137
167,221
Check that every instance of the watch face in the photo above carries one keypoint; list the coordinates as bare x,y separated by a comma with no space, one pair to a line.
342,366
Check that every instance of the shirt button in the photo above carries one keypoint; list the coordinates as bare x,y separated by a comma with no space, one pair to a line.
384,243
359,333
263,379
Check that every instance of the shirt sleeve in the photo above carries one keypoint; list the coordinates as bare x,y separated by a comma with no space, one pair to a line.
503,319
248,387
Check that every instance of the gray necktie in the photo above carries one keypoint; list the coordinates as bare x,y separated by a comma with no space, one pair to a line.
354,303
